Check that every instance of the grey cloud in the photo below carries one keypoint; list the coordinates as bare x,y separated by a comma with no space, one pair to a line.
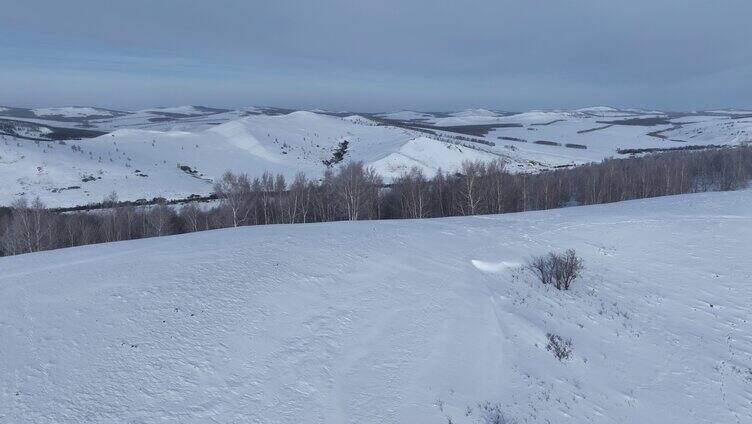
684,54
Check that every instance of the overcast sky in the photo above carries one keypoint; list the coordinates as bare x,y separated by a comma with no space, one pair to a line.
378,54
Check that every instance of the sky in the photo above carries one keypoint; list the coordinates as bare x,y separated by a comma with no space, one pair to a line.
377,55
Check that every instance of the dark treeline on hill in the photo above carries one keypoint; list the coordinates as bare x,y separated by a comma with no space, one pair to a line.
355,192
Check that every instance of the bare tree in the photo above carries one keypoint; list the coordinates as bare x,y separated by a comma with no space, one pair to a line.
234,192
298,200
109,226
357,188
496,175
471,198
411,190
191,216
267,195
159,220
30,227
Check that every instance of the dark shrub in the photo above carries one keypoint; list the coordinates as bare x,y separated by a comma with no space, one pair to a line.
559,269
547,143
559,346
575,146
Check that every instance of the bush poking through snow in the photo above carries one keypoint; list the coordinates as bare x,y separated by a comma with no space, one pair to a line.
567,268
560,347
492,414
542,267
488,413
559,269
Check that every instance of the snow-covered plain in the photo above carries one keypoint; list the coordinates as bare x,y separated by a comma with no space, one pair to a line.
179,110
70,112
142,152
391,321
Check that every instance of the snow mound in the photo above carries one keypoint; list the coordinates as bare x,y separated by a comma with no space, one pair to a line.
238,134
495,267
474,112
541,116
358,119
598,109
429,156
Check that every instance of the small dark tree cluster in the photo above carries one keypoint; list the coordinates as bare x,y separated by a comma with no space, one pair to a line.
558,269
338,155
559,346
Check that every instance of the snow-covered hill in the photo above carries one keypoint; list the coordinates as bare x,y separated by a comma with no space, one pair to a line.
71,112
394,322
76,155
143,163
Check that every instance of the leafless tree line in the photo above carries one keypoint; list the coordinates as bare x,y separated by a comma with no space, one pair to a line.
487,188
355,192
30,227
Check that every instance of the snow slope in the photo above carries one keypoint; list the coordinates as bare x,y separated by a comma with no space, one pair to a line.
394,322
143,163
429,156
71,112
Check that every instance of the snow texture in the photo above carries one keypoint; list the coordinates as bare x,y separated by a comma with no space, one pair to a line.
393,322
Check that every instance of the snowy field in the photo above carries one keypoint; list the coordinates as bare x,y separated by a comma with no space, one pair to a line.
391,322
70,112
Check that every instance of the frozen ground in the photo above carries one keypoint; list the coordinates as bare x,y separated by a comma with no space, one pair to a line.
391,322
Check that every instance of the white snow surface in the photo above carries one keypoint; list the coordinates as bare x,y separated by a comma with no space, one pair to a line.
393,322
474,112
406,115
733,111
429,156
180,110
70,112
598,109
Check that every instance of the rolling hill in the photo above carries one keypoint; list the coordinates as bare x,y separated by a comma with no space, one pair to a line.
76,155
